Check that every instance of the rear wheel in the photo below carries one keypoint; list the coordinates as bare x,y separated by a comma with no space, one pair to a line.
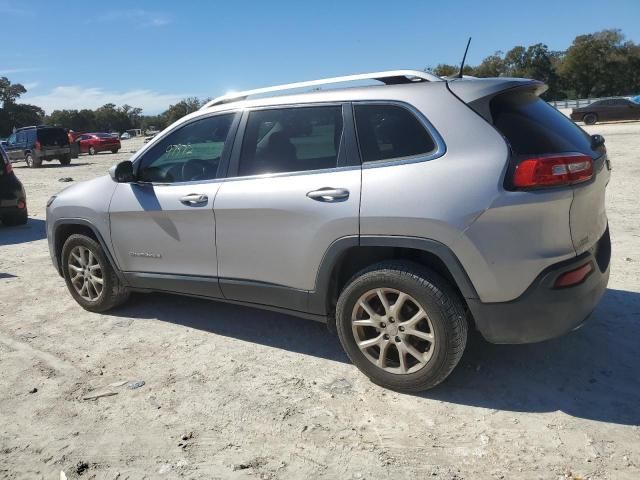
115,150
590,118
31,161
402,325
66,160
92,150
18,218
89,276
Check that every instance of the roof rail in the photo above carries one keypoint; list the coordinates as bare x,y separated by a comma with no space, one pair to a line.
391,77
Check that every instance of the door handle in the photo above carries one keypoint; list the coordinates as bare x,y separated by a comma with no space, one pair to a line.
194,199
328,194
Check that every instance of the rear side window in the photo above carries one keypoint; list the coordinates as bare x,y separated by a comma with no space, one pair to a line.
291,140
53,137
387,131
533,127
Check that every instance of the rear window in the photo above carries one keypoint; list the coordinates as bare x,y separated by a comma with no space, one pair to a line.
103,135
386,132
533,127
53,137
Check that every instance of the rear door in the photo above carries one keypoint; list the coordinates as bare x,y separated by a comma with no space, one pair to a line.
533,128
15,146
293,190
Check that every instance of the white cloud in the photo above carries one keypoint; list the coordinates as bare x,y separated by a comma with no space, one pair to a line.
144,18
11,71
76,97
30,85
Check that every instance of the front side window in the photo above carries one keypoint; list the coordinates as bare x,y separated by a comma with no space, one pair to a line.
291,140
386,132
190,153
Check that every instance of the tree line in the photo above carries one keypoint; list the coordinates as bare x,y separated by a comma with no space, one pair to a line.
598,64
601,64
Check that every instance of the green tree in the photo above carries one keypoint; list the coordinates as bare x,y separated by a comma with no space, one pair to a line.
601,64
16,115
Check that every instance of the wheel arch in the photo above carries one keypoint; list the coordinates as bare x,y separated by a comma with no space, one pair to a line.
64,228
348,255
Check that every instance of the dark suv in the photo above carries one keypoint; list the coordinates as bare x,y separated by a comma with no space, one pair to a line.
13,201
35,144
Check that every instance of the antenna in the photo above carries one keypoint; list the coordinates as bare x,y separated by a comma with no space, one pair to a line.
464,58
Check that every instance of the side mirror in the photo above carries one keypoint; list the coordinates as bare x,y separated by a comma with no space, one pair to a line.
597,141
122,172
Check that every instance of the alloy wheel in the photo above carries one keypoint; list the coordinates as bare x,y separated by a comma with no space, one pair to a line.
85,273
393,331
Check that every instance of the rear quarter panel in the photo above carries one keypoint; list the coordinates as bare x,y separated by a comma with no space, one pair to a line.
503,239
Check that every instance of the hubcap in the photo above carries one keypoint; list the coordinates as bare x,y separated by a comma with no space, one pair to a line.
393,331
85,273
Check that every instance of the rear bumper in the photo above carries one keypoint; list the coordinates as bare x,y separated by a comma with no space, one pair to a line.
543,312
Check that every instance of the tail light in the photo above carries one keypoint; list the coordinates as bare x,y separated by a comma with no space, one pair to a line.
553,170
574,277
21,204
8,168
37,145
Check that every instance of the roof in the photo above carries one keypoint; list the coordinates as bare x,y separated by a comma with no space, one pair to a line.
390,77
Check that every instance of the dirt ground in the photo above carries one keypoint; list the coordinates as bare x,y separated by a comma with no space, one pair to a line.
238,393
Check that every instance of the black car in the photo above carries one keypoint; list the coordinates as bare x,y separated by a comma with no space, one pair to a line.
37,144
607,109
13,201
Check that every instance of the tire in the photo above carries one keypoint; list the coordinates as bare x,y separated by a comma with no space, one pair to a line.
92,150
114,151
65,160
590,118
445,321
13,219
112,293
31,161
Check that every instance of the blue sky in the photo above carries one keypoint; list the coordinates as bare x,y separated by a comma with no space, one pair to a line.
152,53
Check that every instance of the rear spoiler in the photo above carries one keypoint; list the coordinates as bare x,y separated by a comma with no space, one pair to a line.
477,93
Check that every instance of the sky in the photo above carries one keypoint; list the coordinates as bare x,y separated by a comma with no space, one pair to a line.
150,54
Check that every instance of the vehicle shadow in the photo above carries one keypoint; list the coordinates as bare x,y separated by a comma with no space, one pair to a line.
590,373
53,164
32,231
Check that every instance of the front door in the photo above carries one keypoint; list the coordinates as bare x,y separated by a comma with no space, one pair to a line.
294,189
162,225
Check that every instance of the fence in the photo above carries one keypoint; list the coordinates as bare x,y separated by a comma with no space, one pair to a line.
580,102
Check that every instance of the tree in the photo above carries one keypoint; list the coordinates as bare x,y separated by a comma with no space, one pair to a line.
601,64
182,108
16,115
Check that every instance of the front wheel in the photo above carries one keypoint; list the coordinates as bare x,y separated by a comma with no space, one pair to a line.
115,150
92,150
402,325
89,276
590,118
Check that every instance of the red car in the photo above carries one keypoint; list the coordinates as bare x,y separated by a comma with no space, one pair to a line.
93,143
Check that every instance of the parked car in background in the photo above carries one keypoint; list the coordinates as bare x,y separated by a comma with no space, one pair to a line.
13,200
125,136
402,215
37,144
93,143
607,109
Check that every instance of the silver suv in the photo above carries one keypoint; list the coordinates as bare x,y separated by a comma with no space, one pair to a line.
401,214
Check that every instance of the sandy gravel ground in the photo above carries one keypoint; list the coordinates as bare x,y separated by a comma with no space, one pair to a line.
239,393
